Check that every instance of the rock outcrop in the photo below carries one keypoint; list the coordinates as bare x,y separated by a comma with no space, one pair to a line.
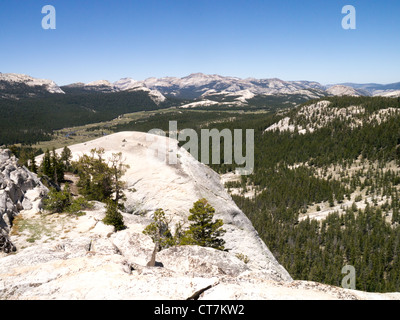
19,190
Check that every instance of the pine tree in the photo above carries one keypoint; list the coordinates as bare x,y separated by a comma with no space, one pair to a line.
57,168
114,217
66,156
203,231
96,179
159,231
58,201
118,169
32,163
46,164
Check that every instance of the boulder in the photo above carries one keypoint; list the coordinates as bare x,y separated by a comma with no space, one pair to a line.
195,260
136,247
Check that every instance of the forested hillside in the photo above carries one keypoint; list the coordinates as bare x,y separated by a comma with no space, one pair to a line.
351,172
27,121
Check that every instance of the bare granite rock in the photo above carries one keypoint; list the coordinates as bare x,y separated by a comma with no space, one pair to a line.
153,182
19,190
195,260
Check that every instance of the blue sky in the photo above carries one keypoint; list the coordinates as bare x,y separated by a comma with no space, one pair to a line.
287,39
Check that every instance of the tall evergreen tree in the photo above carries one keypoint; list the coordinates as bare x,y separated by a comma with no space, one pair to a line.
66,156
32,164
45,167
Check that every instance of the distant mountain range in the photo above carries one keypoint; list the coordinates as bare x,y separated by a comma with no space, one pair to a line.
375,89
202,89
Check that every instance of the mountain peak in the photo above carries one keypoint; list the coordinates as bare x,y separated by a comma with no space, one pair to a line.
342,90
14,78
99,83
196,75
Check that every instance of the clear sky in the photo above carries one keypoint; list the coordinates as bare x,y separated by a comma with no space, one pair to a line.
286,39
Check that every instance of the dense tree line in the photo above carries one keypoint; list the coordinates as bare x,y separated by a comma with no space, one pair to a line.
28,121
316,251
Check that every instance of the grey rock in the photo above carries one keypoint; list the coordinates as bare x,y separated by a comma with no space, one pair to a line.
15,182
198,260
135,247
5,155
82,261
26,204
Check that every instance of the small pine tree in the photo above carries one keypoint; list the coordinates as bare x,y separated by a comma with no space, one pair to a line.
159,231
58,201
117,170
203,231
114,217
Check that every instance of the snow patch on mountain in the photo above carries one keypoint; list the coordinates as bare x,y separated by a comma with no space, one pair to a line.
99,83
129,84
126,84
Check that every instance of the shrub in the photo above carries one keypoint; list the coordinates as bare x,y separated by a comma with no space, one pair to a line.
58,201
243,257
159,231
78,205
99,180
114,217
203,231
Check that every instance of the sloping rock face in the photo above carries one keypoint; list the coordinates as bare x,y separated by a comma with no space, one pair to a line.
62,256
19,190
163,175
